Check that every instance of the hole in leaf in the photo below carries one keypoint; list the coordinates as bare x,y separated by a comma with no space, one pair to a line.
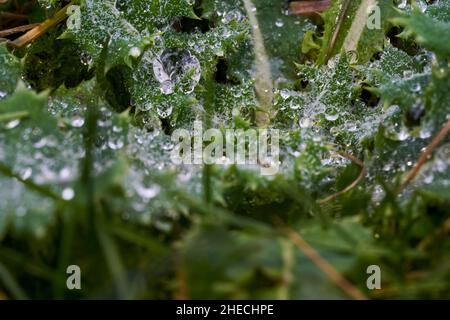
116,93
406,45
369,97
304,83
166,127
221,75
414,115
189,25
376,56
52,62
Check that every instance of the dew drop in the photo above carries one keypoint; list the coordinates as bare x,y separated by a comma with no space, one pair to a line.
285,94
402,4
135,52
279,23
26,173
305,123
294,106
408,74
331,117
428,179
177,68
77,121
68,194
403,134
12,124
416,88
148,193
65,173
164,110
147,106
425,133
115,144
86,59
235,15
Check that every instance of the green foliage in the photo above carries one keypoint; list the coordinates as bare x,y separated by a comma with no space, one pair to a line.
86,117
427,31
352,26
43,71
10,71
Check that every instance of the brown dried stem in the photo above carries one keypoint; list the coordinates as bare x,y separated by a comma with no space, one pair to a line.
7,32
42,28
323,264
353,184
441,233
13,16
424,156
309,7
183,289
337,28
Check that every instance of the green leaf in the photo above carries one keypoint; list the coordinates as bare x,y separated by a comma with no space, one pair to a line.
10,72
354,26
426,31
